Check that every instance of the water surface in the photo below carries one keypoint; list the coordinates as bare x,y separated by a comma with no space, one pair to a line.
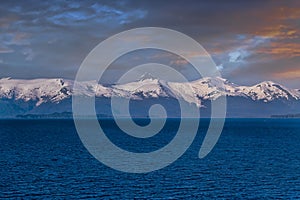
254,158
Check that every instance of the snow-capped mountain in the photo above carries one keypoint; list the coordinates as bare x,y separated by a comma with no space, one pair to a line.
38,90
54,95
268,91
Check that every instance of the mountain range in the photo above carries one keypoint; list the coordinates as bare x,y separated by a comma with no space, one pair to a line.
46,96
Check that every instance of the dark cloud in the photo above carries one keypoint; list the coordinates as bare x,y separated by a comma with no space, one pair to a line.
51,38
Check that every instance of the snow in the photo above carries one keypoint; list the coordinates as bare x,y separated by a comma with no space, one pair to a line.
55,90
39,90
268,91
147,88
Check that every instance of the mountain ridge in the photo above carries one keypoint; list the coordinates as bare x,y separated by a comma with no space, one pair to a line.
19,96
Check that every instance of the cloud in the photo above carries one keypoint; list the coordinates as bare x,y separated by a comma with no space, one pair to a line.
4,49
220,67
179,62
279,49
261,37
234,56
28,52
291,74
78,15
16,38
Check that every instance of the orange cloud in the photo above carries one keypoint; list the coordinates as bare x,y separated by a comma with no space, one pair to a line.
292,74
179,62
279,31
281,49
289,13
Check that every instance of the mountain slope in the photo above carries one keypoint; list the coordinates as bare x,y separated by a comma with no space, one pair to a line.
54,95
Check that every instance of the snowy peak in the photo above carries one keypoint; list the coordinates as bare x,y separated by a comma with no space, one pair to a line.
147,76
39,90
213,88
56,90
268,91
145,88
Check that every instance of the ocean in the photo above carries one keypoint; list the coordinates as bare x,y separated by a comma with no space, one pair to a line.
253,159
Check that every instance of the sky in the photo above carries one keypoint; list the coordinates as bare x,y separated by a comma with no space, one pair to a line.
250,41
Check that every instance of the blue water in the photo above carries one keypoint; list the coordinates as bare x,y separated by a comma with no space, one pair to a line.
254,158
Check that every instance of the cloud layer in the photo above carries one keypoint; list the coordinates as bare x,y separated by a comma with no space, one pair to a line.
250,41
